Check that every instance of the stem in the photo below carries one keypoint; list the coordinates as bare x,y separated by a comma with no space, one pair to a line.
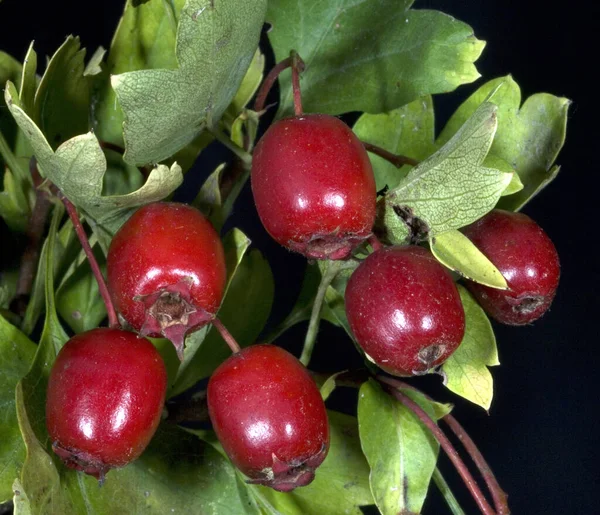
113,321
297,68
331,270
265,87
244,156
397,160
445,443
499,496
31,255
444,488
226,335
374,242
107,145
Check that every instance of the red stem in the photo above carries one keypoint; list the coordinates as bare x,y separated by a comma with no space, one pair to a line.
449,449
226,335
113,321
499,496
263,92
297,68
397,160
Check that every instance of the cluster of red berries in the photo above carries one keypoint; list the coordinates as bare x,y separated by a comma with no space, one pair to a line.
315,194
166,276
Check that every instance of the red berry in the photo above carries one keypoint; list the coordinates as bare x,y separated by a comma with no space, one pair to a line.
269,416
527,259
105,398
404,310
313,186
166,271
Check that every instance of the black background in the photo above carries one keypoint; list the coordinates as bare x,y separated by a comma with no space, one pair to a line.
541,437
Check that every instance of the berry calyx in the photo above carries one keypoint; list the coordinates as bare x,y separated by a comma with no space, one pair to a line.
269,416
525,256
105,398
404,310
166,271
313,186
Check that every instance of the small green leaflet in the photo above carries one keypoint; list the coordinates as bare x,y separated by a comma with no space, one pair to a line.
454,250
451,188
529,136
77,168
465,372
216,40
401,451
370,56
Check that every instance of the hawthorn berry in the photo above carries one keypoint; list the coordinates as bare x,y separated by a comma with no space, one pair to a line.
269,416
404,310
105,398
313,186
525,256
166,271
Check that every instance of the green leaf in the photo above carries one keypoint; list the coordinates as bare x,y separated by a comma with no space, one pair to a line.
341,483
78,166
465,372
371,57
454,250
401,451
408,130
14,205
16,354
29,83
78,299
66,250
10,71
94,65
62,99
209,200
216,40
244,311
529,137
144,39
450,189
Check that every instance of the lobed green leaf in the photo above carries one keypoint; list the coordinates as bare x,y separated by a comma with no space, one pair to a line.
216,40
370,56
451,188
529,136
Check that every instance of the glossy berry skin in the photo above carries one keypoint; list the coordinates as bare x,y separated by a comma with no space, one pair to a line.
313,186
404,310
166,271
105,398
269,416
527,259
